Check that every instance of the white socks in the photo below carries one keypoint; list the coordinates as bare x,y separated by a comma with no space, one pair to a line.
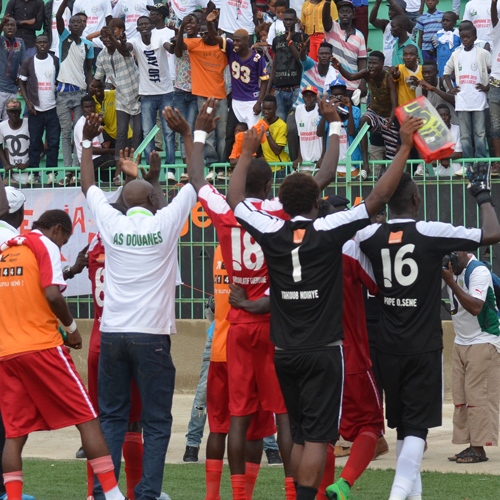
407,482
114,494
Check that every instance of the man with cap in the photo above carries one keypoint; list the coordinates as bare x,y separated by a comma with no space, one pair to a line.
11,217
311,148
348,43
15,142
350,116
362,419
131,11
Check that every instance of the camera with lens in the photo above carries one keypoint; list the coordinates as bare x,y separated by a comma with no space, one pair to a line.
452,258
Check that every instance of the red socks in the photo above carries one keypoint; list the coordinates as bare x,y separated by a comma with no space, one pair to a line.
133,448
238,483
14,485
213,471
105,472
291,492
329,474
251,473
362,451
90,481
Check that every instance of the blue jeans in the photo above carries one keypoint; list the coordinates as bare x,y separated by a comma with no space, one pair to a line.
187,104
215,144
473,124
150,105
44,121
147,359
199,409
285,101
270,443
495,112
68,102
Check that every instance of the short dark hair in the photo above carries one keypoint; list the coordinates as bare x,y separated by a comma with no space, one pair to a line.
291,11
52,218
400,200
144,17
116,23
86,98
468,26
81,14
298,193
270,98
430,62
444,106
258,175
262,27
324,208
326,45
378,55
281,3
242,125
404,21
453,14
412,47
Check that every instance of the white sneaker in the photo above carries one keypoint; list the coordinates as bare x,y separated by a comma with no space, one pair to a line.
420,169
364,175
171,177
29,180
210,176
164,496
50,179
462,172
184,177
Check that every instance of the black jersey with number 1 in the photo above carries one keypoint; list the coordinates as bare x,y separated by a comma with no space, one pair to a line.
304,260
406,257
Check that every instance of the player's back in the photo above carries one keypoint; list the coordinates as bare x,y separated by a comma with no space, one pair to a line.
406,257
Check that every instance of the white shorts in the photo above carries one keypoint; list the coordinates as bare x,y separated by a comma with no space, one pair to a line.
244,112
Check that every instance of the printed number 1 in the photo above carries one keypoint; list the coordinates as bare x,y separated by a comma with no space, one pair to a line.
297,270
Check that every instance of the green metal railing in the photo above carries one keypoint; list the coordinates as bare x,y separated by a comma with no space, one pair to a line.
443,199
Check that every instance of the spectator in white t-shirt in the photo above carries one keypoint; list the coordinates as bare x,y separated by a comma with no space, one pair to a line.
38,87
445,167
98,15
470,65
131,11
495,84
15,142
236,14
479,12
155,85
311,147
181,8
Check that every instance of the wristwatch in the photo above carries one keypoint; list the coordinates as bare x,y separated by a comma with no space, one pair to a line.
268,133
86,144
67,273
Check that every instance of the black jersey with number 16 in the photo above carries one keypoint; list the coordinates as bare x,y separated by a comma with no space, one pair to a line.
406,257
304,261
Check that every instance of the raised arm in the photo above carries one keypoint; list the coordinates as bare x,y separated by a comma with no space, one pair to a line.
328,169
59,17
180,45
380,24
363,74
122,46
494,13
444,95
480,188
327,16
388,183
212,33
236,189
153,176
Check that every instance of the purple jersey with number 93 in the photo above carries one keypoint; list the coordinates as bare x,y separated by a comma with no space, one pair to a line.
245,75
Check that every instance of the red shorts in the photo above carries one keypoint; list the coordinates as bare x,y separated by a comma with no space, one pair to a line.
361,406
253,383
93,370
219,418
42,391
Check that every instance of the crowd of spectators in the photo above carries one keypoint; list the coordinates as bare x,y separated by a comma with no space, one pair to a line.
266,62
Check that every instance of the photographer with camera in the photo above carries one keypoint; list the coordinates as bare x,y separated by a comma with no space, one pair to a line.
476,355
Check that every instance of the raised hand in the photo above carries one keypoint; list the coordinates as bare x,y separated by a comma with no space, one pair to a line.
251,140
82,261
127,163
426,86
92,127
335,63
207,120
480,180
328,109
409,126
153,174
176,121
212,16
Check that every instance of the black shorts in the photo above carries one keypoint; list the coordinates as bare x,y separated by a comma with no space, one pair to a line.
413,386
312,383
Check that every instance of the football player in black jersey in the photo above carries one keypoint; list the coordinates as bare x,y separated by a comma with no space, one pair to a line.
304,258
406,256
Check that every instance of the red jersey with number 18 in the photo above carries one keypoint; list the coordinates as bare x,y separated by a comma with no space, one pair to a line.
96,275
242,255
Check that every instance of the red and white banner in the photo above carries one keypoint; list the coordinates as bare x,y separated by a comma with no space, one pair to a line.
73,202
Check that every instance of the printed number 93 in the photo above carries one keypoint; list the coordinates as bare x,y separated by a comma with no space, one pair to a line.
240,72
